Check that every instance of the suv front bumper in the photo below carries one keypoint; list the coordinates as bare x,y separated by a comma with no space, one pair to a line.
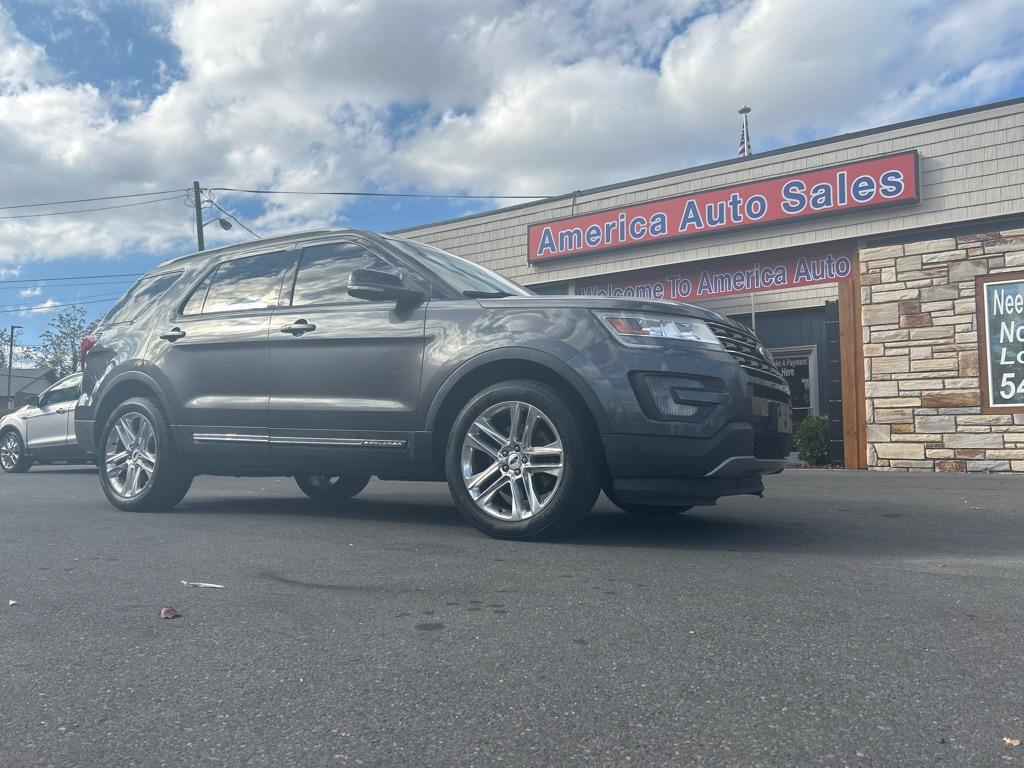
738,427
656,469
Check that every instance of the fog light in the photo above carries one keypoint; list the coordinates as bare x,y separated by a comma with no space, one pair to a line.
669,394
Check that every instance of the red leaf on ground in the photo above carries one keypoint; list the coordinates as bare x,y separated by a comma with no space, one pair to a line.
169,613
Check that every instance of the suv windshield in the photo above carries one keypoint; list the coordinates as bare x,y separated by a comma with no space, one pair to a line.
464,276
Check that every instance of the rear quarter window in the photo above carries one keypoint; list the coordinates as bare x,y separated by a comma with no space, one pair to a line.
141,297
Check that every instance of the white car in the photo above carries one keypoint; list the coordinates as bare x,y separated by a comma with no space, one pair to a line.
44,430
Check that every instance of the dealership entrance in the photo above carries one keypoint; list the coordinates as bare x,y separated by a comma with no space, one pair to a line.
806,346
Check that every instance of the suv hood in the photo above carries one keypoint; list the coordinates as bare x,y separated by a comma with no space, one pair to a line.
606,303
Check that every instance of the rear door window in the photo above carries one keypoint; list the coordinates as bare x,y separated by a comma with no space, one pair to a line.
242,284
324,271
140,297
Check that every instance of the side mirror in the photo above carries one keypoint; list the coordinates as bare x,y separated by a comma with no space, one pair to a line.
371,285
33,400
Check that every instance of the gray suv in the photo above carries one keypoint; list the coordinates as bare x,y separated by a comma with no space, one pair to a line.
336,355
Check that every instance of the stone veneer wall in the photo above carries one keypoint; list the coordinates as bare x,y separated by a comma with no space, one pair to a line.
921,379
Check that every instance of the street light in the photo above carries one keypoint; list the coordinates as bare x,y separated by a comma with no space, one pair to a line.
224,223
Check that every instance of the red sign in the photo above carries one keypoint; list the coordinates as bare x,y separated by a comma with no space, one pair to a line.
843,188
725,277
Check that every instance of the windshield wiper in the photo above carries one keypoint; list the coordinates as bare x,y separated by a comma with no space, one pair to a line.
486,294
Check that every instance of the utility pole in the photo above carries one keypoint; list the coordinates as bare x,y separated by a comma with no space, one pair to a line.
10,367
198,202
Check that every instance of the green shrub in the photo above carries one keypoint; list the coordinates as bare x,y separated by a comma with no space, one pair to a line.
812,441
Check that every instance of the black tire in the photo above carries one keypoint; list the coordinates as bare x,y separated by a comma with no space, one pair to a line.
570,499
11,440
652,511
331,489
169,481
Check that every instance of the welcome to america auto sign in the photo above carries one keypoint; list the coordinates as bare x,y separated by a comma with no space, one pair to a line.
726,277
880,181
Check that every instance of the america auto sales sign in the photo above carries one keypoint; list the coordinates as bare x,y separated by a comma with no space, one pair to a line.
847,188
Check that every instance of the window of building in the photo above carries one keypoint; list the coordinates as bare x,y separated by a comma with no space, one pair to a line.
798,366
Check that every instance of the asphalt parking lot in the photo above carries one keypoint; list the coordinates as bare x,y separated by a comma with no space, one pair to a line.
846,619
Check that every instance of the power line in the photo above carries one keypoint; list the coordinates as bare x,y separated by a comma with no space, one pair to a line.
89,199
89,210
90,296
38,308
228,213
44,283
69,277
376,194
175,192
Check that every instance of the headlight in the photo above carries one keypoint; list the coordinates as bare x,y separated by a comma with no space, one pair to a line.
639,329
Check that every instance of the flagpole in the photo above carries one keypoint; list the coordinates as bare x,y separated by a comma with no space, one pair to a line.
744,151
745,132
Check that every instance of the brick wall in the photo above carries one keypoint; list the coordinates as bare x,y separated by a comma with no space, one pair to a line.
923,397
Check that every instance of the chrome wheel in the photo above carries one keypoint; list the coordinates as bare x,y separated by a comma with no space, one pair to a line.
512,461
10,452
130,456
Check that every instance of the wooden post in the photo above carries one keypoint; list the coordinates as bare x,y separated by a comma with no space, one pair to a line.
851,345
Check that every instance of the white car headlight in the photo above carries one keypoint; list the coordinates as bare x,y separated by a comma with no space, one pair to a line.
641,329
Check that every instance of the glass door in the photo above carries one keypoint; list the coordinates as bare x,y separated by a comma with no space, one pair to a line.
799,368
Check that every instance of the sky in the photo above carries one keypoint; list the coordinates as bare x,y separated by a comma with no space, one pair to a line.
456,97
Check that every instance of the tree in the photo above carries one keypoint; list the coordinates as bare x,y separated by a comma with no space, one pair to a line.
59,344
5,341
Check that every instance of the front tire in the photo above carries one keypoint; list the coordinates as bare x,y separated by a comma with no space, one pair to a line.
331,489
521,462
140,469
13,457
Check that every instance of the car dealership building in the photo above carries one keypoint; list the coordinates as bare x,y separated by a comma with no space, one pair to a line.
884,269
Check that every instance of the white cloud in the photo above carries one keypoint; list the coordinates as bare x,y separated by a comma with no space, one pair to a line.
484,96
22,63
807,68
42,308
28,293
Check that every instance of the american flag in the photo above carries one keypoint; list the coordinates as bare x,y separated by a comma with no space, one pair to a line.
744,149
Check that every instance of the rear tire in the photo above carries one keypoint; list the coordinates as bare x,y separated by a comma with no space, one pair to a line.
521,462
652,511
331,489
140,469
13,457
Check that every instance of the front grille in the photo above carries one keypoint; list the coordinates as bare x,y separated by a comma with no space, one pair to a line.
743,345
771,445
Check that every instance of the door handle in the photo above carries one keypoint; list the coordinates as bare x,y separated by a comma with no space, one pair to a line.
173,335
62,410
298,328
